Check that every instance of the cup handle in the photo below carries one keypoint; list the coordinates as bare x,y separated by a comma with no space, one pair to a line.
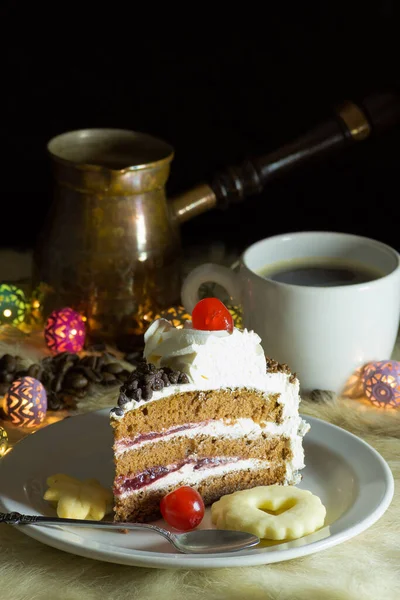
205,273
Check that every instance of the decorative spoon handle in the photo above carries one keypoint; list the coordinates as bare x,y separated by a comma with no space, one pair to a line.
15,518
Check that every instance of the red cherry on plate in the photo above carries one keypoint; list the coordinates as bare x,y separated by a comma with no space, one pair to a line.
210,314
183,508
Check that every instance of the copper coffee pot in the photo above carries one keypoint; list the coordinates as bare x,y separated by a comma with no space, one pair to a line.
111,246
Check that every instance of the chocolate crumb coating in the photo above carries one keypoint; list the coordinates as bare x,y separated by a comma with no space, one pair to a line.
146,379
274,367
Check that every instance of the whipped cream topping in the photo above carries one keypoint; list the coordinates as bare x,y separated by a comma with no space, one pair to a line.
209,358
214,360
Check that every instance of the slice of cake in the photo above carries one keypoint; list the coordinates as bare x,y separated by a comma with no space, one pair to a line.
205,409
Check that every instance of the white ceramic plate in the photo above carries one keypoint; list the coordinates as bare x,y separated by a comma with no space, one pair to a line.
351,478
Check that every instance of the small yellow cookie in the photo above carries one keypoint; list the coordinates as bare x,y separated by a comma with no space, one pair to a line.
77,499
273,512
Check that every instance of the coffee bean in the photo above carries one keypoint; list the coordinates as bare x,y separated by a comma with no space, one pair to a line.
69,400
20,364
100,362
97,347
123,376
10,363
133,357
117,411
75,381
33,370
6,357
110,383
60,358
89,361
91,387
63,356
113,367
47,361
4,388
71,392
107,376
56,383
109,379
21,373
65,366
148,379
53,401
47,377
88,373
92,363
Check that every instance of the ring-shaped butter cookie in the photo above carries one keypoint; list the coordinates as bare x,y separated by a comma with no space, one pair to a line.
274,512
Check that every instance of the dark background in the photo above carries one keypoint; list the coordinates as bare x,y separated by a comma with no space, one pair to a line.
218,92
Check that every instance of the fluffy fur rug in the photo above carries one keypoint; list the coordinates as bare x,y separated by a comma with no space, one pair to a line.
367,567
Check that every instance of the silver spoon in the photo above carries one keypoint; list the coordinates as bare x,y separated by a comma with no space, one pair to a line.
199,541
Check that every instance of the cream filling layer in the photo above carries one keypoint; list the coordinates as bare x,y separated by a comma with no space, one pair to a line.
240,428
188,475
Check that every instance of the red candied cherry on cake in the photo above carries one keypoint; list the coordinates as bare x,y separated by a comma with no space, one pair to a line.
183,508
210,314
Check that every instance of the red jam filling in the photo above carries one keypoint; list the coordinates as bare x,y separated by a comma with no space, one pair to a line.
153,435
136,482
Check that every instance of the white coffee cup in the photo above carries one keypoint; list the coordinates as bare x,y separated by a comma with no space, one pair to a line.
322,333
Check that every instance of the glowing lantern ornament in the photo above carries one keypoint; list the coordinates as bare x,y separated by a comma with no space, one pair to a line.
65,331
3,441
237,315
12,304
381,381
26,402
177,315
354,387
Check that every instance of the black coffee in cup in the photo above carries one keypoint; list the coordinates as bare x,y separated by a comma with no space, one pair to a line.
320,272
